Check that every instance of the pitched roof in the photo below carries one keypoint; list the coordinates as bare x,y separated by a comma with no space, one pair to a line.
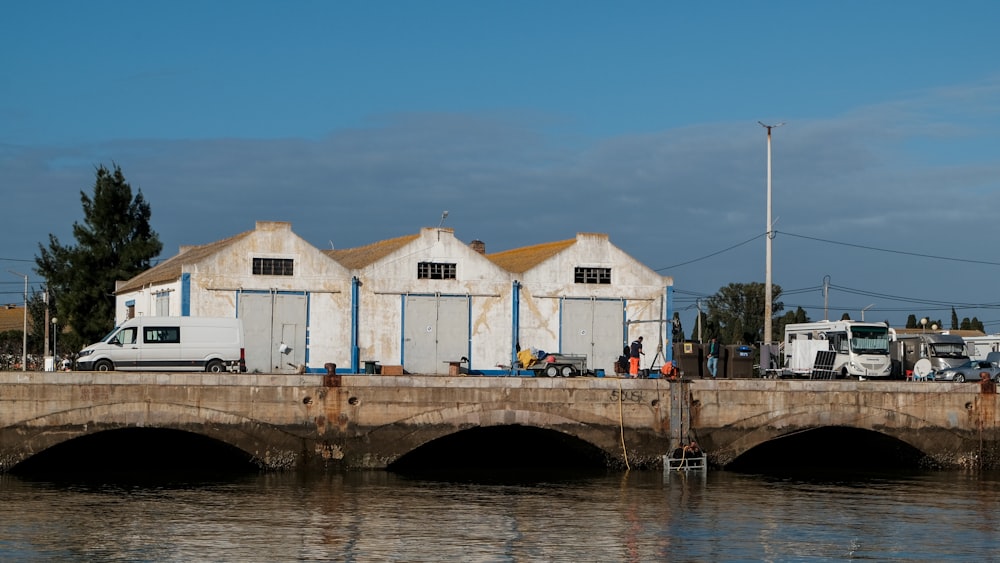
12,317
352,258
172,268
520,260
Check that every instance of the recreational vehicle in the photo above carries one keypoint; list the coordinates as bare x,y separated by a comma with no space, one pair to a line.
942,351
854,349
980,346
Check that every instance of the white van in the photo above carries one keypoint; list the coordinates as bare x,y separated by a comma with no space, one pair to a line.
169,344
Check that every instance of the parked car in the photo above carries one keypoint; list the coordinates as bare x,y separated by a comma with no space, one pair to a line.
969,371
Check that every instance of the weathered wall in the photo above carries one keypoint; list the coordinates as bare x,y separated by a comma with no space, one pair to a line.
345,422
339,422
944,420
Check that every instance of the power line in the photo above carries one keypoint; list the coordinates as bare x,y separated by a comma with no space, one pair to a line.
920,255
748,241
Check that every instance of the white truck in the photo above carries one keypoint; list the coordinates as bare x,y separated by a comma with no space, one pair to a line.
169,344
856,349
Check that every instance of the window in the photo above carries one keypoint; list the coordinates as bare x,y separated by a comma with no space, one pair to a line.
163,304
273,267
125,337
162,334
592,275
436,271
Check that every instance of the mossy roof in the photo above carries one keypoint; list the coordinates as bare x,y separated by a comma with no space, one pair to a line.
359,257
172,268
520,260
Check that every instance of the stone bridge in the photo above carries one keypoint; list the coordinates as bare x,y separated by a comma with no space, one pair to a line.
352,422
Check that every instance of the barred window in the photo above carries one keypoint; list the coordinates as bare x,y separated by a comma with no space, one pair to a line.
592,275
273,267
436,271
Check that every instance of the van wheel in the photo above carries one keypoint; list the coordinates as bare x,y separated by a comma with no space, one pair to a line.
215,366
104,365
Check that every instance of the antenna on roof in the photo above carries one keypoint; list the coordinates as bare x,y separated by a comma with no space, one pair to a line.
444,215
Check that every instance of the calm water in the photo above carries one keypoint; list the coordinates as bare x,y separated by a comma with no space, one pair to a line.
380,516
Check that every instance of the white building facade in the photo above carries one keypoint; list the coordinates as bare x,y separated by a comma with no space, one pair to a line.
419,303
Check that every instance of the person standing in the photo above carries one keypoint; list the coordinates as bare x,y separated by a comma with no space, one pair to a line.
713,356
634,351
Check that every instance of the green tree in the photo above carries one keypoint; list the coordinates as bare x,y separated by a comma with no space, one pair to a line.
114,242
736,313
911,321
797,316
976,324
845,317
954,319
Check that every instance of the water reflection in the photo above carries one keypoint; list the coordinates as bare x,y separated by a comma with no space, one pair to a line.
381,516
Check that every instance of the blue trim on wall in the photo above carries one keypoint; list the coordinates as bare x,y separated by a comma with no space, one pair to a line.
402,329
515,329
308,305
186,294
670,323
355,323
468,342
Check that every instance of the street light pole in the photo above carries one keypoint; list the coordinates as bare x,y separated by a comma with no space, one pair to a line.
768,313
863,311
24,342
826,297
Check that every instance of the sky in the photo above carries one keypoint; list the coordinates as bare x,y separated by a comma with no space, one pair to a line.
529,122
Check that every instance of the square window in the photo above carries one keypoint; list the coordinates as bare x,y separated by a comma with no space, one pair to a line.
436,271
273,267
592,275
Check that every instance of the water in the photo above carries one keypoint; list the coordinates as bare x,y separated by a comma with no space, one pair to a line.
381,516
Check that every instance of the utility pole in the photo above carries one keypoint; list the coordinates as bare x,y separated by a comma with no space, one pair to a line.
45,346
24,343
768,313
697,302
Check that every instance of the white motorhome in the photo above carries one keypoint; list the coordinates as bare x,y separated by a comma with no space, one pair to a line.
980,346
169,344
860,349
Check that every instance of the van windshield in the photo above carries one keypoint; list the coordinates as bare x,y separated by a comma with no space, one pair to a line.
108,336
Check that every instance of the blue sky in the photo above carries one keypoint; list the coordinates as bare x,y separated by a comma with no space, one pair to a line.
530,122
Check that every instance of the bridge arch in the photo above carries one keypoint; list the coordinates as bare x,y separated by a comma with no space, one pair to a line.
407,435
268,446
736,439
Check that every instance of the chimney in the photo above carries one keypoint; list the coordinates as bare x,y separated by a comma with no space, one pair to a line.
479,246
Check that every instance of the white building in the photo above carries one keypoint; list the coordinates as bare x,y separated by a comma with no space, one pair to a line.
285,290
421,301
586,296
427,300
